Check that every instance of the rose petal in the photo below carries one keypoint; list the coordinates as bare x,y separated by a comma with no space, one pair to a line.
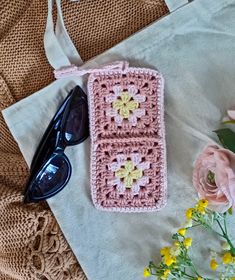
231,114
221,162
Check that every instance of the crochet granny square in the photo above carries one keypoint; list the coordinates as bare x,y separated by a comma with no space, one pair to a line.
128,153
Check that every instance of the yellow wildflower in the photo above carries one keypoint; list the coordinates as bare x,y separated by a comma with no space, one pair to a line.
168,260
199,278
189,213
146,272
125,105
165,251
167,272
201,210
176,243
203,203
213,264
227,258
182,231
232,278
187,242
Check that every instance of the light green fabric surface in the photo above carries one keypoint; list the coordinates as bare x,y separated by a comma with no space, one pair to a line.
194,49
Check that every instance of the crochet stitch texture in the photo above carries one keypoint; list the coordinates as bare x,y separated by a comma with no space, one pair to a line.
22,25
128,154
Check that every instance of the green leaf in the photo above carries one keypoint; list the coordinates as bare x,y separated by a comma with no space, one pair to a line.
230,210
229,122
227,138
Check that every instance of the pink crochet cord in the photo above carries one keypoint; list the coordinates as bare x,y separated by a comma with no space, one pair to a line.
128,153
73,70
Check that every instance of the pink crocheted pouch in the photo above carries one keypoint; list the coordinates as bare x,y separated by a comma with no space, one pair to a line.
128,153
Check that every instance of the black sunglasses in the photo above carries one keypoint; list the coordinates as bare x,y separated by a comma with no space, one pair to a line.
50,168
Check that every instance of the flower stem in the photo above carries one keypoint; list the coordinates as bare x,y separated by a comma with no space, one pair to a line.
225,224
225,236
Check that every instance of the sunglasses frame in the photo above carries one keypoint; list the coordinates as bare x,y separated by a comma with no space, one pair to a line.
57,127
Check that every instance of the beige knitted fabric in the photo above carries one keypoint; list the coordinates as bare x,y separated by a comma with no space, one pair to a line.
31,243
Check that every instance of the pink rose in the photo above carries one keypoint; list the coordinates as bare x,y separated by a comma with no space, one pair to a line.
231,113
214,177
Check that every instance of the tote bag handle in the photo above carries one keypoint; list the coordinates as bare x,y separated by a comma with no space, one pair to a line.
59,48
175,4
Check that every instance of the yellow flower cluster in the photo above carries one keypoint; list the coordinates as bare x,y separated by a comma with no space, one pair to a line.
199,208
168,258
173,257
227,258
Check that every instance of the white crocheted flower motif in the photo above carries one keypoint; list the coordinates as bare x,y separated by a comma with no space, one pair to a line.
125,104
129,173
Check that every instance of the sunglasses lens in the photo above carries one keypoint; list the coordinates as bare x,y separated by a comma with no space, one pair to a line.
76,127
51,179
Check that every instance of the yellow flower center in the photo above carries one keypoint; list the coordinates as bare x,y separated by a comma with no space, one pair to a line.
182,231
187,242
129,173
189,213
166,273
165,251
169,260
203,203
125,105
213,264
227,258
146,272
211,177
